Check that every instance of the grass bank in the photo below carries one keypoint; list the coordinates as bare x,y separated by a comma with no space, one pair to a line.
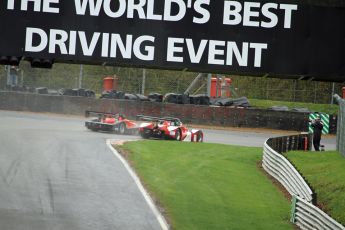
323,108
325,172
209,186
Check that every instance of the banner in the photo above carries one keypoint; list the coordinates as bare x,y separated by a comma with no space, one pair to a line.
279,39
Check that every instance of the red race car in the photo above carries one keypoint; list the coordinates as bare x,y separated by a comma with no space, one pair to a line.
110,122
168,128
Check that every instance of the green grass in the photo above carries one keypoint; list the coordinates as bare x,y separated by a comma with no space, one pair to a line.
323,108
210,186
325,172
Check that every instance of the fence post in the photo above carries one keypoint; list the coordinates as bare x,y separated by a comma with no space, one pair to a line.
293,209
340,125
143,82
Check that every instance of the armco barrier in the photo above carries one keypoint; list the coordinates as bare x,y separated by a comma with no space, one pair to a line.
196,114
309,217
282,170
288,143
341,125
304,214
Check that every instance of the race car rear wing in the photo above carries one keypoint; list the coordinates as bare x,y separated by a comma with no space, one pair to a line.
150,118
98,114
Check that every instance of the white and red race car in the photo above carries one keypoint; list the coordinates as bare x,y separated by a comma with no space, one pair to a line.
168,128
110,122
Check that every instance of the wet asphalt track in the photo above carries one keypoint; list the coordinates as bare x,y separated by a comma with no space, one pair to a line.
55,174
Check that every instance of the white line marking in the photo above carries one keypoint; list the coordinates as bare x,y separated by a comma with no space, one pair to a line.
148,199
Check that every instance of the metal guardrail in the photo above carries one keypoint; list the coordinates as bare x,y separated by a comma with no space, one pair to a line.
282,170
341,125
309,217
289,143
304,214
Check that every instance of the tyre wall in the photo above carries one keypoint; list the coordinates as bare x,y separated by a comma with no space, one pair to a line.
205,115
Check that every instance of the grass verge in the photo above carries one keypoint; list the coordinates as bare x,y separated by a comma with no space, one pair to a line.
209,186
323,108
325,172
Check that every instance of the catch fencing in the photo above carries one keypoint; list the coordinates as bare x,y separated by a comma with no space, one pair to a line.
145,81
341,125
129,80
304,214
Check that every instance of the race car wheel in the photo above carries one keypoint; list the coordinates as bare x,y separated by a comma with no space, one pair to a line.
178,135
199,137
122,128
146,134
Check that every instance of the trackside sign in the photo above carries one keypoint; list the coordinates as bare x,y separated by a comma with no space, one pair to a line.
282,39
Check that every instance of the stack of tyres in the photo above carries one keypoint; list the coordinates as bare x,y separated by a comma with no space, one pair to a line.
155,97
176,98
77,92
238,102
199,99
141,97
42,90
113,94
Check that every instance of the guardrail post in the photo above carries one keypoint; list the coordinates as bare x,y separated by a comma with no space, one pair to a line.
310,141
293,209
341,125
303,212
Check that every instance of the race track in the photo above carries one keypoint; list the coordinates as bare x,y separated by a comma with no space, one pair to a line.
55,174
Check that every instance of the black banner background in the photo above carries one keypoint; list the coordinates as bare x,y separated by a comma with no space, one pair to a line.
314,47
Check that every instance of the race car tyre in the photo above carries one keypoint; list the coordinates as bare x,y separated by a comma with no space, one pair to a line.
122,128
199,137
178,135
145,135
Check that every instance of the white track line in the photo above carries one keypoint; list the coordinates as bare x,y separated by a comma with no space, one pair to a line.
148,199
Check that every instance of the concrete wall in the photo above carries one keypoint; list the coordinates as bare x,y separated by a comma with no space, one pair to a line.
208,115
